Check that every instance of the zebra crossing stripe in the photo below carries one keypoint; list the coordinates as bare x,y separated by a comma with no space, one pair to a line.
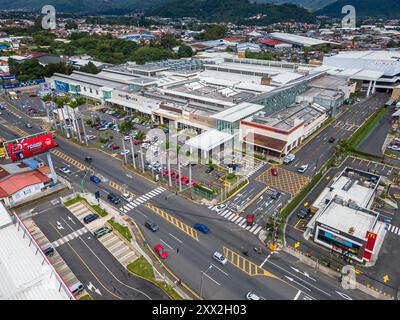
211,207
136,203
395,230
140,200
257,230
392,228
225,213
241,219
229,215
146,197
233,217
242,223
254,228
236,218
152,194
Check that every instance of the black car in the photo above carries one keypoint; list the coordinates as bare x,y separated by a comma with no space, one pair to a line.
275,194
151,225
90,217
209,169
303,213
331,140
88,159
113,198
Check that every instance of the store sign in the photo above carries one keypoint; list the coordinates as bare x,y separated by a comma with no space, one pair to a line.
369,247
61,86
28,147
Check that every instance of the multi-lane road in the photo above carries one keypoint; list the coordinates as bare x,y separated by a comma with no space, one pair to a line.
276,276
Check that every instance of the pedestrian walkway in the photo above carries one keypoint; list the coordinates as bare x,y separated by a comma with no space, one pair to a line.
240,221
255,169
118,248
142,199
70,237
391,228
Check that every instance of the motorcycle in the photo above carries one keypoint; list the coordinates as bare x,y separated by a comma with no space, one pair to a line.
258,250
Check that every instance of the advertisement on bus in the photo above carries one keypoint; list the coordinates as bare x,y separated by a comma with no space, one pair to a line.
27,147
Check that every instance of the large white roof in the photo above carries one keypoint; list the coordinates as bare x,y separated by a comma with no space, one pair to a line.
209,140
25,272
295,39
239,112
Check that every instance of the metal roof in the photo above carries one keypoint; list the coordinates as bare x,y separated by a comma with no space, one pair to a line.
238,112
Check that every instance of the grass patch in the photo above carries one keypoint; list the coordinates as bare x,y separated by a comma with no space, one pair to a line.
72,201
124,231
102,212
86,297
231,178
361,132
142,268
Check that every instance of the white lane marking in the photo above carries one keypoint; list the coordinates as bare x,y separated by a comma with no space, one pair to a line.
299,278
180,241
220,269
211,278
166,244
344,296
299,284
297,295
266,259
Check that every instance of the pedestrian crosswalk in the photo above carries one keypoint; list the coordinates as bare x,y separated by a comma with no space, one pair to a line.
142,199
254,170
393,229
239,220
70,237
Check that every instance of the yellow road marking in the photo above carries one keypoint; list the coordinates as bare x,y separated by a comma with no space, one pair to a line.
246,265
179,224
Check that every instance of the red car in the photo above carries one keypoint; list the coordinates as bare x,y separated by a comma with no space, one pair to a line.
274,171
194,183
136,142
33,95
160,251
173,174
250,219
166,172
114,147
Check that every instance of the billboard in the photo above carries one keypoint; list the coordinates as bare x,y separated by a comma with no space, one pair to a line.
26,147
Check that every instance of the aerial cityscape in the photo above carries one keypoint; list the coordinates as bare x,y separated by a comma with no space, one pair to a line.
200,150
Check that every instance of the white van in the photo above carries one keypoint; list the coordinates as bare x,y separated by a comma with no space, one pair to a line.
77,288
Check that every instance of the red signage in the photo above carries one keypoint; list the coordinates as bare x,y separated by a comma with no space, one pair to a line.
369,248
24,148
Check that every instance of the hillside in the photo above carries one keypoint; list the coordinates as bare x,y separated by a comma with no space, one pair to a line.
84,6
372,8
236,11
308,4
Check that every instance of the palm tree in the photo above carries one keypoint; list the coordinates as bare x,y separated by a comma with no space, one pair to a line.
140,135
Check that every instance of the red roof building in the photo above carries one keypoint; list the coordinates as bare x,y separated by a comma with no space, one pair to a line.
270,42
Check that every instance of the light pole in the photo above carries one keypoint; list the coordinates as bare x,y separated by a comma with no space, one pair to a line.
201,281
133,153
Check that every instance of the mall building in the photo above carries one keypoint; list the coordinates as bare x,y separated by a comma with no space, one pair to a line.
219,92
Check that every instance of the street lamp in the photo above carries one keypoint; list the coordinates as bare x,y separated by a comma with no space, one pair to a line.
201,281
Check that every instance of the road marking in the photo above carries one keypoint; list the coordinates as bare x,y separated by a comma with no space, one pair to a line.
178,223
210,278
180,241
166,244
297,295
220,269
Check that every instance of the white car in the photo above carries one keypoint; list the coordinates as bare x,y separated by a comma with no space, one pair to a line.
252,296
220,208
127,197
219,257
65,170
126,138
394,147
124,152
90,137
289,158
302,168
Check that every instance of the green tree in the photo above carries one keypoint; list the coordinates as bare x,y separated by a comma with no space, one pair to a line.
168,41
140,135
185,51
90,68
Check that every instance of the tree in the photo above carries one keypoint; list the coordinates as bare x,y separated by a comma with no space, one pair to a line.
71,25
185,51
140,135
126,126
90,68
168,41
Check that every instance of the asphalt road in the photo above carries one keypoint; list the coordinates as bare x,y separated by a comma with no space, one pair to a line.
195,256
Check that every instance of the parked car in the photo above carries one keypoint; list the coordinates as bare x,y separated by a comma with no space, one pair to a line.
331,140
303,213
124,152
48,250
159,249
393,147
126,138
90,137
102,231
302,168
201,227
114,147
220,258
88,159
289,158
127,197
90,217
274,171
275,194
102,128
151,225
95,179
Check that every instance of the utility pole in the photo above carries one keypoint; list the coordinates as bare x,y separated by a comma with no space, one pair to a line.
123,148
84,133
133,153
